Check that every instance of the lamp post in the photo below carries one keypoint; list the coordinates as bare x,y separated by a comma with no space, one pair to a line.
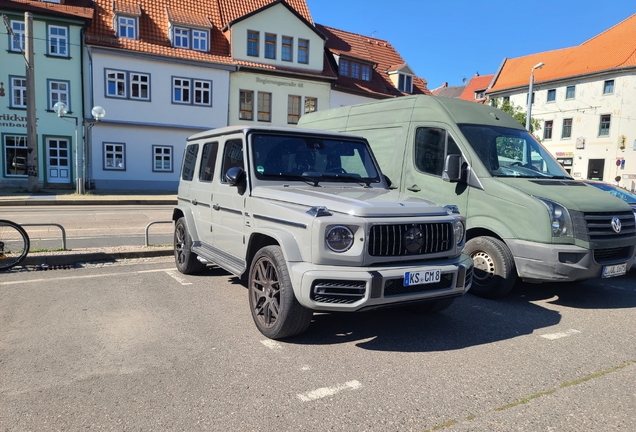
98,113
537,66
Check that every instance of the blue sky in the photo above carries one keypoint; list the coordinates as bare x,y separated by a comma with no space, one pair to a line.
447,40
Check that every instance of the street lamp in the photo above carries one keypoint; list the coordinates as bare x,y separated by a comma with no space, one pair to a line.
537,66
98,113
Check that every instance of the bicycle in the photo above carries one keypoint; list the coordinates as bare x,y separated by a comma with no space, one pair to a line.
14,244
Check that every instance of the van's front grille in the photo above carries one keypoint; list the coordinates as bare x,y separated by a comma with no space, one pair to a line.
410,239
603,256
599,226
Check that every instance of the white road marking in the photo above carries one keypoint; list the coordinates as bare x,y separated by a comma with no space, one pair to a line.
21,282
328,391
173,274
553,336
271,344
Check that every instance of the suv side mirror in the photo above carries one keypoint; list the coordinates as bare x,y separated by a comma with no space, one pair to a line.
234,176
452,168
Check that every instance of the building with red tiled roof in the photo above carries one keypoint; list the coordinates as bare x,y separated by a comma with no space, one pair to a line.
583,99
57,65
475,90
368,68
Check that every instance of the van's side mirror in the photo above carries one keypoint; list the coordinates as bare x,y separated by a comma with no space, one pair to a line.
234,176
452,168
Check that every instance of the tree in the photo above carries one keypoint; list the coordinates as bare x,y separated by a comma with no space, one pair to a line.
520,115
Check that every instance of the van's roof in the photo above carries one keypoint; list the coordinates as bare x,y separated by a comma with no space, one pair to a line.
280,129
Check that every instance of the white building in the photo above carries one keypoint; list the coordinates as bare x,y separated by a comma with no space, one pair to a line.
585,100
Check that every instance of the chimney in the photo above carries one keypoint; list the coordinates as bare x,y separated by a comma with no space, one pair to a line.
445,84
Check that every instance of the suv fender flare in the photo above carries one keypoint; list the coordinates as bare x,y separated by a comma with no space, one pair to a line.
285,239
183,211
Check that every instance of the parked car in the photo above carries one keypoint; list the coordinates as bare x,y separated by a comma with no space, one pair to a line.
308,220
617,191
19,163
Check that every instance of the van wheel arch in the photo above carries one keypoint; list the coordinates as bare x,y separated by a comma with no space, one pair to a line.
495,271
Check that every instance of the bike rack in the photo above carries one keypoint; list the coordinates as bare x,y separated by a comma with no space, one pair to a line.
152,223
51,224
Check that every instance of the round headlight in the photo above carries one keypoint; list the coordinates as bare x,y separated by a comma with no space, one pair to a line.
339,238
459,232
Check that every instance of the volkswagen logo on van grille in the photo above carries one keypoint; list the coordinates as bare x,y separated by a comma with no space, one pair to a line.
616,224
413,239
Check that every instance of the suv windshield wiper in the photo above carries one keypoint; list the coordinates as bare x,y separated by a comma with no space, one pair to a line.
312,180
348,178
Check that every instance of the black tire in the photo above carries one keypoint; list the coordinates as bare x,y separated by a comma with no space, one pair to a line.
275,310
495,274
14,244
433,306
185,260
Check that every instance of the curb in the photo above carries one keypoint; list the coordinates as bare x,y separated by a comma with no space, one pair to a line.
70,259
36,202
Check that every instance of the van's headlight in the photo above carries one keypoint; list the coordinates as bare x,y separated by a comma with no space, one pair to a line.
460,230
339,238
560,220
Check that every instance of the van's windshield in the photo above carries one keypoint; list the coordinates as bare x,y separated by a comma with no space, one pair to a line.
507,152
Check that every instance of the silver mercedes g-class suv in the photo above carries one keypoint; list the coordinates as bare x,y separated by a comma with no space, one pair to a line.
307,219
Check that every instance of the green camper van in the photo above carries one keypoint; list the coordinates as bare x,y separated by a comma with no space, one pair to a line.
526,217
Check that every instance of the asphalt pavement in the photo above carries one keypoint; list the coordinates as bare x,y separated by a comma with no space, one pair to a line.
67,197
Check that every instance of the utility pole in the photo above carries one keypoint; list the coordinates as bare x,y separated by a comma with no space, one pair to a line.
32,145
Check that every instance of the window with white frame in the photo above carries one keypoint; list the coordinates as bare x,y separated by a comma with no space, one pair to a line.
162,158
303,51
58,41
202,92
286,53
405,83
114,156
181,91
270,46
115,84
17,42
127,27
608,87
58,92
139,86
18,92
15,155
252,43
181,37
200,40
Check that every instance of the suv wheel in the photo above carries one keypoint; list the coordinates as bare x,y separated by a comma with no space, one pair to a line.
275,310
494,274
184,258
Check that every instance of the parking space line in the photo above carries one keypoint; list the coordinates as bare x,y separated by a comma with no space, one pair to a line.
21,282
173,274
328,391
553,336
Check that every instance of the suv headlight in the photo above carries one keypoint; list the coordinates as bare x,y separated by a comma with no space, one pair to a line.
339,238
460,230
560,220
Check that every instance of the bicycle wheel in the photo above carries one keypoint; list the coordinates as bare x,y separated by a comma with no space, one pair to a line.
14,244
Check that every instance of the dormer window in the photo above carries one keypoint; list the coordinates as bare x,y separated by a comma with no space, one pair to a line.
189,31
480,94
126,21
127,27
354,70
405,83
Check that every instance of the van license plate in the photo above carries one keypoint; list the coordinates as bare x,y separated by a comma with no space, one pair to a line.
614,270
422,277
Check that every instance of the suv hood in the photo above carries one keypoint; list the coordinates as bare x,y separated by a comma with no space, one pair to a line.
572,194
354,201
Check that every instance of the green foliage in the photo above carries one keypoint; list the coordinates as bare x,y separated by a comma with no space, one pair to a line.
516,112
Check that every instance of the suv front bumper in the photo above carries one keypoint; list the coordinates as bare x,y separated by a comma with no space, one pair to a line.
334,288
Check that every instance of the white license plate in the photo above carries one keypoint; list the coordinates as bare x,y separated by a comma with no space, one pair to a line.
422,277
614,270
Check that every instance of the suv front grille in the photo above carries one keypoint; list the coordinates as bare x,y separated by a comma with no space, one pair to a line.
598,226
394,287
410,239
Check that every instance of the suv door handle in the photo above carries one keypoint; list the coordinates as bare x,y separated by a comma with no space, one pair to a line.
414,188
216,207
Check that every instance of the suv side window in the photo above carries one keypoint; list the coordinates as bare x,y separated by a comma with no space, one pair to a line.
208,161
189,162
232,157
431,147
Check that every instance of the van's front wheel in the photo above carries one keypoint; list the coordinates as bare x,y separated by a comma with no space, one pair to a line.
494,274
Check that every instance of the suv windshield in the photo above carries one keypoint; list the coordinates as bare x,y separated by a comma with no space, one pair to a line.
507,152
302,158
